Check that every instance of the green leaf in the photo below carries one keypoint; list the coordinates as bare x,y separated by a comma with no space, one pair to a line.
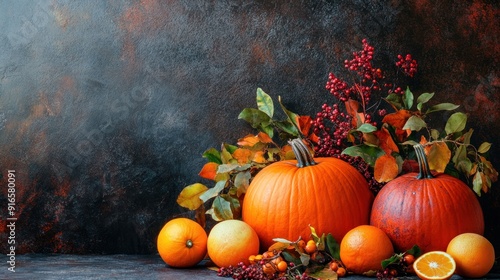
265,102
287,127
333,246
477,183
231,148
324,274
456,123
224,168
221,209
415,251
434,134
425,97
464,166
484,148
292,117
394,100
242,181
212,155
366,128
422,99
213,192
408,98
283,240
460,155
394,259
368,153
268,129
304,259
442,107
291,258
254,117
414,123
234,203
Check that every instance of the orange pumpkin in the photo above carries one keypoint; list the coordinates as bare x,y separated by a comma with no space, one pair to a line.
426,210
286,197
182,243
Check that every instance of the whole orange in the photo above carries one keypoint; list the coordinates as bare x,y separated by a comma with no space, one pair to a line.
473,253
231,242
364,247
182,243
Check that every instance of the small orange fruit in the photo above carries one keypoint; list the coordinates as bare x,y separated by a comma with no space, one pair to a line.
282,266
310,247
231,242
364,247
182,243
473,253
341,272
434,265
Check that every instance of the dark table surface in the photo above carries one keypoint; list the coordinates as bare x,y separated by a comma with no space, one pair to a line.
144,267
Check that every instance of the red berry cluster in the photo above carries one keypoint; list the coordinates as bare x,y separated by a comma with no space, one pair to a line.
361,63
334,126
364,168
332,135
255,271
242,271
407,64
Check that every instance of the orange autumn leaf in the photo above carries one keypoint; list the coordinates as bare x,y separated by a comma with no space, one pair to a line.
264,138
386,142
398,119
352,108
248,141
304,123
258,157
209,170
251,140
438,156
242,155
386,169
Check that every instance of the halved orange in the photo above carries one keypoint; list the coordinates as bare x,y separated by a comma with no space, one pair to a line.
435,265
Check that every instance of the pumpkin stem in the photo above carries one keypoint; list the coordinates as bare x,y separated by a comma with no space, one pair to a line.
423,165
302,154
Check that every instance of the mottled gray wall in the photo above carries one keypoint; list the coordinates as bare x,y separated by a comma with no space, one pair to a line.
107,106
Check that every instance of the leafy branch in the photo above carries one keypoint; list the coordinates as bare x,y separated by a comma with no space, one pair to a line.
233,166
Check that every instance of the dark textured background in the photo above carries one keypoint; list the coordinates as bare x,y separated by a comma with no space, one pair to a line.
107,106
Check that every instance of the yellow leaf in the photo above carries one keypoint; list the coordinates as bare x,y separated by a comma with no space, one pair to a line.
209,170
190,196
438,156
386,168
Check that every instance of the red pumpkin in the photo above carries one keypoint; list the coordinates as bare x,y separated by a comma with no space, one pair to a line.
426,210
287,196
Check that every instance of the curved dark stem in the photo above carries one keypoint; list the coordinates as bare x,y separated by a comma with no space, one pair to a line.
302,154
423,165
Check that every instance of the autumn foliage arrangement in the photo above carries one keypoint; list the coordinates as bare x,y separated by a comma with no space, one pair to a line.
372,124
